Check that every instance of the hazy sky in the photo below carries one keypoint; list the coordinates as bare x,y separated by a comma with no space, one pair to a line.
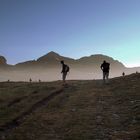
74,28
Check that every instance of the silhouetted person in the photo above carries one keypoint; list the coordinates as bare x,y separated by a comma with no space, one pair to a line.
105,68
123,74
39,80
30,80
65,70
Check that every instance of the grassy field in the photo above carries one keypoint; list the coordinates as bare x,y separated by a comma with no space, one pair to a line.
82,110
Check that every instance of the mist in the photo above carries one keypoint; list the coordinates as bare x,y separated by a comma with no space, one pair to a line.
48,68
54,74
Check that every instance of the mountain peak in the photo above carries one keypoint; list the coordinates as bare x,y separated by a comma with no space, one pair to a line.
52,53
49,57
3,60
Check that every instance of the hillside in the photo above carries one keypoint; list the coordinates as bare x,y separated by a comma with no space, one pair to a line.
52,59
82,110
48,68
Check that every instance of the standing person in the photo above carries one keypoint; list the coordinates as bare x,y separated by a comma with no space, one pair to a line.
105,68
123,74
65,70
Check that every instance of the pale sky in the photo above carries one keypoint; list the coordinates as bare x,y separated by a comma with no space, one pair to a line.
73,28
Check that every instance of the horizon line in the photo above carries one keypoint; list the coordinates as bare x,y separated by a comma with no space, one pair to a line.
35,59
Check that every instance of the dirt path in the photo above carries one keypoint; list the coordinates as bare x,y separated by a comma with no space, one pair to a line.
19,120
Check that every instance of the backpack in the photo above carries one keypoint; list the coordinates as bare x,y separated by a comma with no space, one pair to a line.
67,69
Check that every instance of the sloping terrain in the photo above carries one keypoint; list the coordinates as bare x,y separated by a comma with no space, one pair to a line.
81,110
48,68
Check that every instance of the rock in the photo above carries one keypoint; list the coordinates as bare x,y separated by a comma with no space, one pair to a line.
116,116
73,110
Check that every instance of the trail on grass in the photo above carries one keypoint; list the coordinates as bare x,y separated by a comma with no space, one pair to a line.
19,120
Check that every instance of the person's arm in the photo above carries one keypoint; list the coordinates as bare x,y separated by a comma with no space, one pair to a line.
101,67
63,68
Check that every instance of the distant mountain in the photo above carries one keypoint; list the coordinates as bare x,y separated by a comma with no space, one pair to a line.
3,61
96,60
3,64
48,67
53,59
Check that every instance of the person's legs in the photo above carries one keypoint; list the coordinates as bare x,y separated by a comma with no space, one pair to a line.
107,75
64,76
104,74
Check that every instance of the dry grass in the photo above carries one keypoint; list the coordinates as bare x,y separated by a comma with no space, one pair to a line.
83,110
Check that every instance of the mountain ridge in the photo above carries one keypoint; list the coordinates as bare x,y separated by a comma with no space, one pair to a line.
48,67
53,57
56,57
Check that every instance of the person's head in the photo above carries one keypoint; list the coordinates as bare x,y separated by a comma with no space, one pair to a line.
104,61
62,62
